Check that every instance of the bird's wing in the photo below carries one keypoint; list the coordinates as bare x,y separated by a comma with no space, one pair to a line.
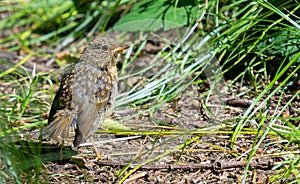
61,116
63,96
91,93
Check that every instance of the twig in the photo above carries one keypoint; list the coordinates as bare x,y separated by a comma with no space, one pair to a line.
217,165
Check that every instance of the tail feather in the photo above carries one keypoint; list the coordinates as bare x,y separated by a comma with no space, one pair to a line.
59,128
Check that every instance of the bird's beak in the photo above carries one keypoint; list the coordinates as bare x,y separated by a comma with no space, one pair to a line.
120,49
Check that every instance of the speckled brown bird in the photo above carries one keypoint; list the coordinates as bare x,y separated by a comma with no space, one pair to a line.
87,92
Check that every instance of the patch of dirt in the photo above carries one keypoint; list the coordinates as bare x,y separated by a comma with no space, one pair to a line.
206,158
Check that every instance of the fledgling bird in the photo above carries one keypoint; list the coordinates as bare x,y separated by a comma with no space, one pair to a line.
87,92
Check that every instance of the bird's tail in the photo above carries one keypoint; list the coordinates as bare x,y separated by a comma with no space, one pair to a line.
59,128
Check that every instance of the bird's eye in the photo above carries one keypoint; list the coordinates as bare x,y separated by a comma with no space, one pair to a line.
104,47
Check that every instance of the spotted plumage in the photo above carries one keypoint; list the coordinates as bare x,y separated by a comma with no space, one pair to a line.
87,92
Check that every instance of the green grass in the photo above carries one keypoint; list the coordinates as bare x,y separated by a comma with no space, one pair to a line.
254,43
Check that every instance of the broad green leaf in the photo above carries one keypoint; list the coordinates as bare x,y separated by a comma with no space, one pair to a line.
162,14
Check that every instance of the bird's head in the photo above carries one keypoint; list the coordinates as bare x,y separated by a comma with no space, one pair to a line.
103,50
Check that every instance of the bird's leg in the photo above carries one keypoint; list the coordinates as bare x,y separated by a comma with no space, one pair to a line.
61,150
95,148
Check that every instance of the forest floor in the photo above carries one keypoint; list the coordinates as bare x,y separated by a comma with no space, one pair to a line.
189,155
